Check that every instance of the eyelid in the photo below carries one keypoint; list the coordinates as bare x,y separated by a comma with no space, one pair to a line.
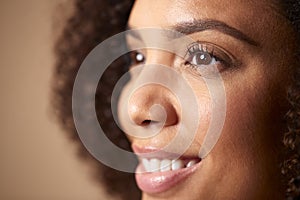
215,50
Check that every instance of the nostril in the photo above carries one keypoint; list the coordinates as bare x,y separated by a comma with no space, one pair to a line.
151,107
146,122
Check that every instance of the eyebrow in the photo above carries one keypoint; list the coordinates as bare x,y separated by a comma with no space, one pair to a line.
194,26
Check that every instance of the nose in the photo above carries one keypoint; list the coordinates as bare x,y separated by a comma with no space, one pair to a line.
152,104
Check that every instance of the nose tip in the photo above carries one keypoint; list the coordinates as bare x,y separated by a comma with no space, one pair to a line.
152,104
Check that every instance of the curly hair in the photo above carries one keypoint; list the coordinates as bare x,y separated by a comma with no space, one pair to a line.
92,22
95,20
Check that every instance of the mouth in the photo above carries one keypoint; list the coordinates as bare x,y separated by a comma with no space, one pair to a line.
162,171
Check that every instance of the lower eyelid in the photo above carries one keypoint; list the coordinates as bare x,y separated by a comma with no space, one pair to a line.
201,72
204,70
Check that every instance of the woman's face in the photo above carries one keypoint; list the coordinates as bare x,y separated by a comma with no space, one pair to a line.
249,42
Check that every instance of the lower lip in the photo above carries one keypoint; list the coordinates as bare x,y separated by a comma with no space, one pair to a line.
158,182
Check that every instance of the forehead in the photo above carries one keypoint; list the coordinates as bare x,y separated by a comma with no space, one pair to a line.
255,17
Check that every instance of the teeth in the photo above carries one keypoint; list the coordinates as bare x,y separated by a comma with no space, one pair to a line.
156,165
177,164
191,163
146,164
165,165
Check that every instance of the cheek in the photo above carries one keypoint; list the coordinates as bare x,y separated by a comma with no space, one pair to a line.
250,114
204,103
205,110
242,162
250,141
255,105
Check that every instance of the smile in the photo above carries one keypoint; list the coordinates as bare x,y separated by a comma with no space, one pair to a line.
157,165
161,173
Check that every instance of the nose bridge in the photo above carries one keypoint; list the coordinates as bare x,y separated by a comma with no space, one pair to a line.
159,56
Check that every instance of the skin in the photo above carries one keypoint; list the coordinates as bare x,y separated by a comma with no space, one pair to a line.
244,164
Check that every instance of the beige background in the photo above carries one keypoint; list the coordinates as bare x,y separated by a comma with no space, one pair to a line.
37,160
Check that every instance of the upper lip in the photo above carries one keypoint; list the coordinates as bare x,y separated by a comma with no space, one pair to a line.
154,152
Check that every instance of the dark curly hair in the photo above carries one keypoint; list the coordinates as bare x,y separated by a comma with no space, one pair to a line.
95,20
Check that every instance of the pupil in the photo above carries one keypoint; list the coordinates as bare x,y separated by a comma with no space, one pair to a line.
139,57
203,58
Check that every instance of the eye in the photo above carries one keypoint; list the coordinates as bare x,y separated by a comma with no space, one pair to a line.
203,58
137,58
201,54
206,58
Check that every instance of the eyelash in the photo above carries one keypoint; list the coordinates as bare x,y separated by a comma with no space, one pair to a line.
217,57
220,58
